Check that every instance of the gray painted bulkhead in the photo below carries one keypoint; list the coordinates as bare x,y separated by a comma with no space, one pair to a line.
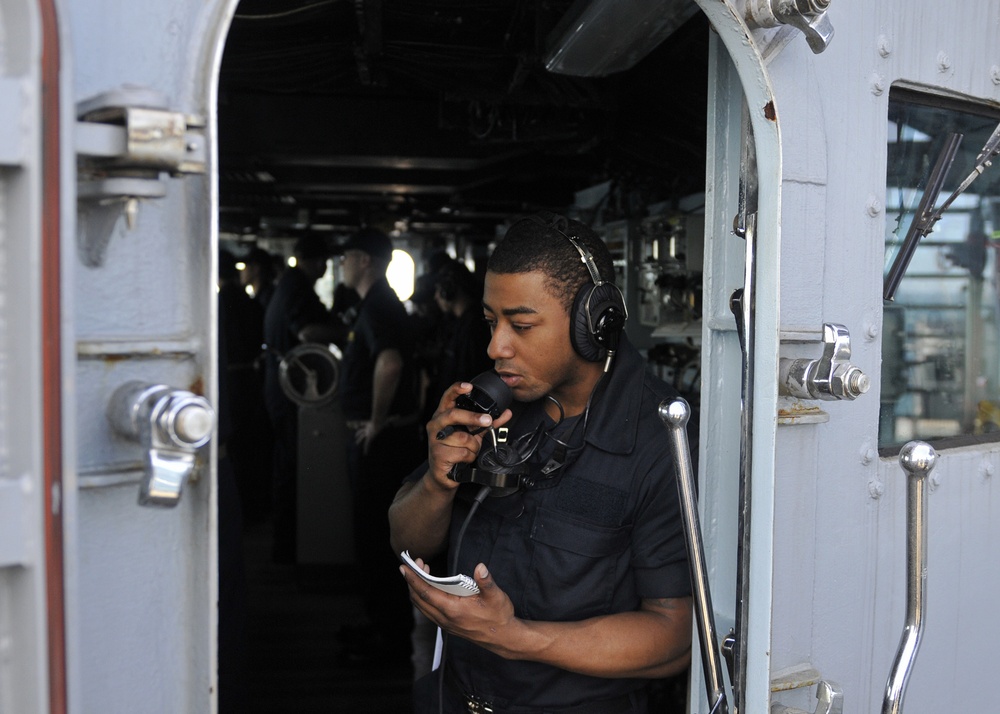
141,594
839,510
827,585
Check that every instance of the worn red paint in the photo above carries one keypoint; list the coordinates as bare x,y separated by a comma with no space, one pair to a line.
51,300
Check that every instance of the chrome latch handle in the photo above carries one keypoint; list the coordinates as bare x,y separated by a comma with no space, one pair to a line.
917,458
171,425
808,16
675,415
828,378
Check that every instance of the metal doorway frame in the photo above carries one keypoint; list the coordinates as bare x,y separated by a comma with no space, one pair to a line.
740,575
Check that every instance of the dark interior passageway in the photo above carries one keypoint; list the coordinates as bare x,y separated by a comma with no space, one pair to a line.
436,121
294,656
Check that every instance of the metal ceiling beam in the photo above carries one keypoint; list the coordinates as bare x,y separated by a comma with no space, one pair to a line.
445,163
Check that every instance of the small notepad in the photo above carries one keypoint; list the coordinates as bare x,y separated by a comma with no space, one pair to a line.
461,585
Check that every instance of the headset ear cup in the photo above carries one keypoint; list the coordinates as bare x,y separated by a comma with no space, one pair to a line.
591,338
579,329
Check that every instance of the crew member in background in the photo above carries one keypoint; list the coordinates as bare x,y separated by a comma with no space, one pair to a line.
378,398
582,570
294,315
459,295
259,275
241,323
430,330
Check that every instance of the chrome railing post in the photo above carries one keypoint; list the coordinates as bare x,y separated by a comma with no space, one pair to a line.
917,459
675,415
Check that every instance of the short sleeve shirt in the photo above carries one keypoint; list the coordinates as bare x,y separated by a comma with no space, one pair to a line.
381,324
595,540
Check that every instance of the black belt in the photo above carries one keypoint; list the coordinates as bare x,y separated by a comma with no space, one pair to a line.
483,705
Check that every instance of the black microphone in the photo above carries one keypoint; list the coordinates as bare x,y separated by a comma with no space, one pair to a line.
489,395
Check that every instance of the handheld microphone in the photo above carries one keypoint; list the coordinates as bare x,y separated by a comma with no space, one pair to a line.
489,395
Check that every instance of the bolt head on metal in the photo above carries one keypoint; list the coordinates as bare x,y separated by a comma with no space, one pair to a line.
858,383
917,458
194,423
814,7
675,412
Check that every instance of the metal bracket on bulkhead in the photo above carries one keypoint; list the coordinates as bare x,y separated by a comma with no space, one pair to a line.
829,695
127,141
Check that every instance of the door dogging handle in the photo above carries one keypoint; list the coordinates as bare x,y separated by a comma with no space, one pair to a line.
830,377
171,425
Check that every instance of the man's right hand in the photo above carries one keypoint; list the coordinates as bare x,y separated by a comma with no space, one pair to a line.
420,513
458,446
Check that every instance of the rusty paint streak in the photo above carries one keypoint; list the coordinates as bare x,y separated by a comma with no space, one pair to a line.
798,410
198,387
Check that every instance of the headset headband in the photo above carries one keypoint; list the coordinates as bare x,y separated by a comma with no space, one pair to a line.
586,258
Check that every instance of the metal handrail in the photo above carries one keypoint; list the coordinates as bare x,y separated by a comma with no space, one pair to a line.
675,415
917,459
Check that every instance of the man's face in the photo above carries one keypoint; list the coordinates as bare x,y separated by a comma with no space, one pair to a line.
315,268
442,304
351,267
530,343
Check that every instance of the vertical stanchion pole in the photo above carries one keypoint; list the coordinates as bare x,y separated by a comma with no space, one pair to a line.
917,459
675,415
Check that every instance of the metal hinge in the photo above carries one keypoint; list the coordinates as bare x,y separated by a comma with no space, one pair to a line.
131,129
128,143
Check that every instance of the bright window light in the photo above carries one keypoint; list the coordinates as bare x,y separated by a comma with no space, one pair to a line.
400,274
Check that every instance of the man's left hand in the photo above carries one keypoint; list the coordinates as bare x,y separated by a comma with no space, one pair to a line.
486,619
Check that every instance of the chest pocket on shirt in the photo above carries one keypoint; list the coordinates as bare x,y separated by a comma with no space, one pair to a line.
575,566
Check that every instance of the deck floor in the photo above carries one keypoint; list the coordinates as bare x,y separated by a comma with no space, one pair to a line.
292,651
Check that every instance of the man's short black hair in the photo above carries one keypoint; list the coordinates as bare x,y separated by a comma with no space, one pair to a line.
539,242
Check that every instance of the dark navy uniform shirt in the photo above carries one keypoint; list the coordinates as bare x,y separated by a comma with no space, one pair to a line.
381,324
593,540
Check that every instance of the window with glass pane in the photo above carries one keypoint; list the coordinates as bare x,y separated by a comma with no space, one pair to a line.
940,348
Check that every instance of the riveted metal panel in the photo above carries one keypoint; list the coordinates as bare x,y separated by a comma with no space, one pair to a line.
839,516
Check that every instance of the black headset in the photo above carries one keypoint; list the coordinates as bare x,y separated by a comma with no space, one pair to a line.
599,313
